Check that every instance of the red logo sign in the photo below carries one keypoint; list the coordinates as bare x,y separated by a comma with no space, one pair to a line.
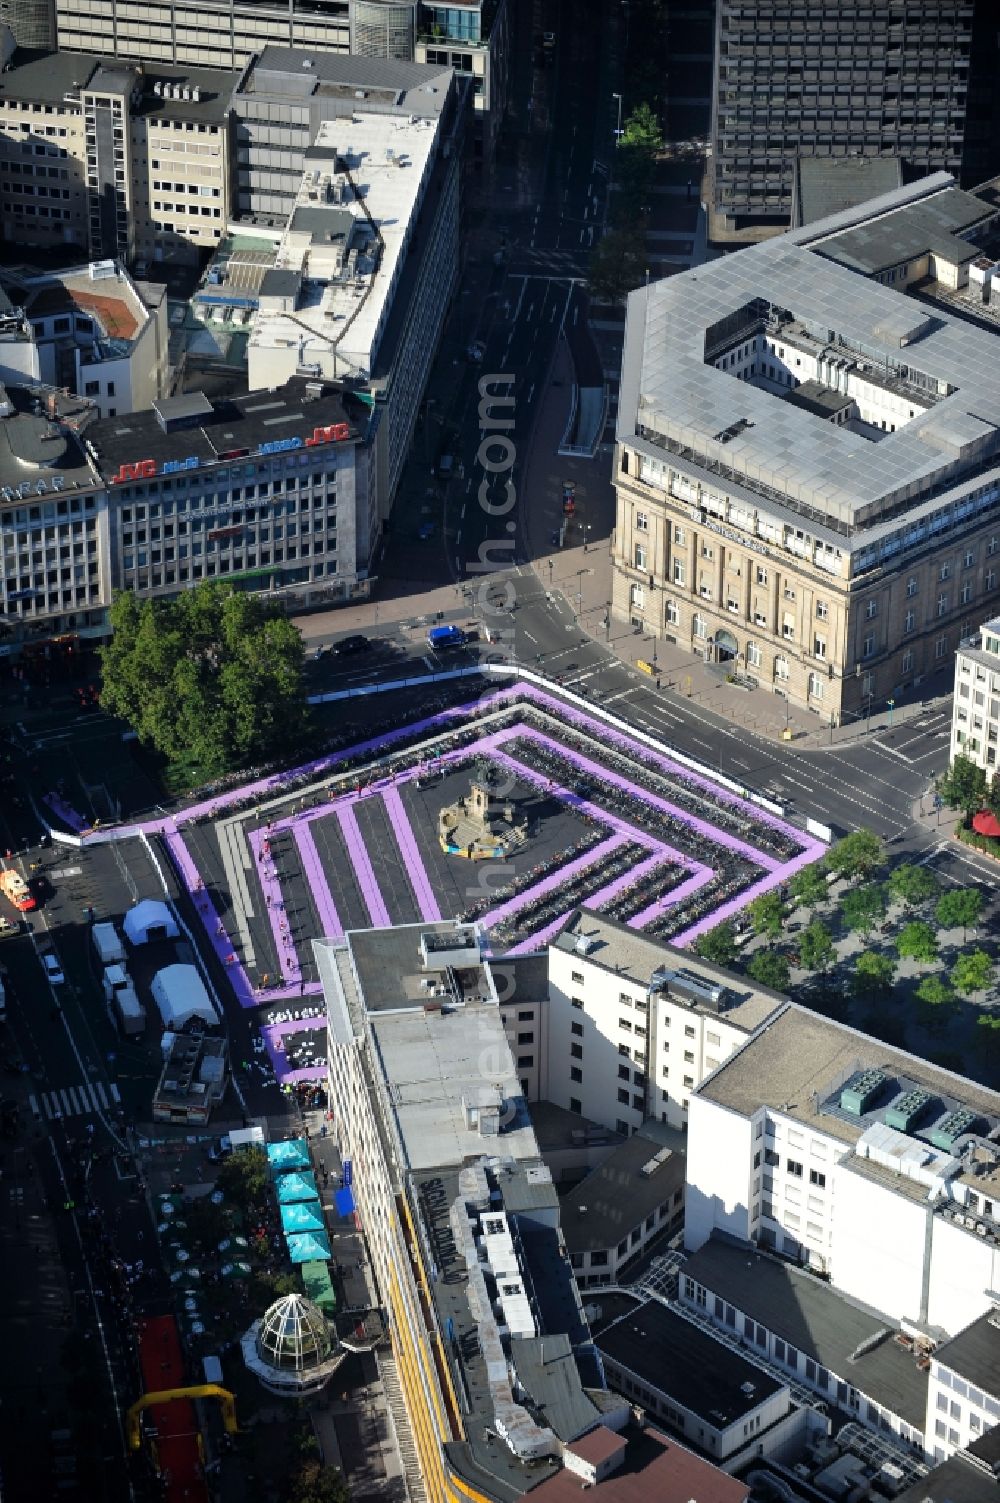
142,469
334,434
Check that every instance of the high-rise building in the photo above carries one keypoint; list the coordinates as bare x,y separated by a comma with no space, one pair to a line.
804,77
975,716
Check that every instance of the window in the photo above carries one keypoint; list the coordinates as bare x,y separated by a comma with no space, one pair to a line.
911,586
822,610
576,1002
680,571
815,686
624,1073
945,570
906,662
576,1029
909,621
815,1178
623,1097
576,1074
700,627
525,1061
640,556
819,647
794,1168
576,976
707,551
672,613
576,1051
624,999
969,559
753,655
641,521
680,537
781,668
942,603
526,1038
575,1105
871,610
625,1024
761,575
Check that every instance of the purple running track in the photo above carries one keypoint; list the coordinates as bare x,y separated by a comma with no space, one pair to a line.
414,866
370,891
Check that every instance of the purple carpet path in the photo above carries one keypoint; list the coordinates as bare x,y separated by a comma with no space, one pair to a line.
329,918
727,910
701,875
284,945
273,1034
377,911
412,861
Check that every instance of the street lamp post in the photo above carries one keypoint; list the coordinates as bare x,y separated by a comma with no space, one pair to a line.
890,706
618,132
607,622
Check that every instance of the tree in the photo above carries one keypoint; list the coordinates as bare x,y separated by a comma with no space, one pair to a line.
816,952
936,1002
767,914
959,907
863,908
989,1025
917,941
243,1176
808,886
858,855
213,678
972,973
311,1481
718,945
769,968
635,160
963,786
873,974
617,264
912,884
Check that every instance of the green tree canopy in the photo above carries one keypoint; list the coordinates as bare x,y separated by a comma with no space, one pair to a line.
213,678
635,160
816,952
808,886
873,974
858,855
912,884
769,968
718,945
972,973
936,1002
310,1481
863,908
767,914
917,941
959,908
963,786
243,1176
617,264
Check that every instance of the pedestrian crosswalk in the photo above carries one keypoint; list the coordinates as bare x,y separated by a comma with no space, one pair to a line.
86,1098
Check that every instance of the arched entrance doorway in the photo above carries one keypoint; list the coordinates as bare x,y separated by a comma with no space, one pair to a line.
726,649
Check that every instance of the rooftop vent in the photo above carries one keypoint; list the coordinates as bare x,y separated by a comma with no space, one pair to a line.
946,1133
907,1110
862,1091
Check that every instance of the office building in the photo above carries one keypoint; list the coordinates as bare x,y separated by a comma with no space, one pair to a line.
367,264
804,78
473,38
963,1402
719,1401
271,491
837,1349
123,160
92,330
286,95
634,1026
808,460
496,1368
863,1162
30,23
635,1196
975,715
55,573
969,1476
632,1469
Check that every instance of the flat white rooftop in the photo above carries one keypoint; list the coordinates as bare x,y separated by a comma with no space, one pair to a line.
340,312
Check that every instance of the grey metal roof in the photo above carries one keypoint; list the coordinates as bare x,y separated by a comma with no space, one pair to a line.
417,88
975,1354
954,1481
798,462
45,78
903,235
616,1196
820,1323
